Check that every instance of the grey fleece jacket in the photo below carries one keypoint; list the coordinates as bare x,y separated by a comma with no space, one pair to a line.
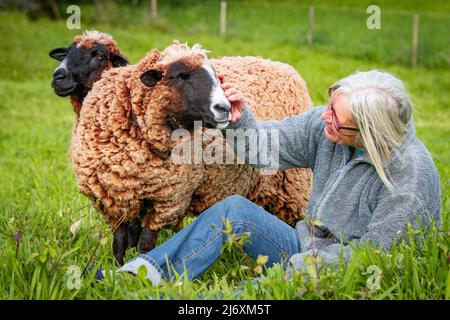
347,197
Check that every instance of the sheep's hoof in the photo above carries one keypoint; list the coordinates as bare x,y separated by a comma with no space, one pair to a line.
120,243
147,240
134,232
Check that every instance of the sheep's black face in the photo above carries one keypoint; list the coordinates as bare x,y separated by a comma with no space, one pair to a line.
201,94
80,68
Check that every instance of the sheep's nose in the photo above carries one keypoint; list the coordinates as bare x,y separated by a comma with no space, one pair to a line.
221,108
59,74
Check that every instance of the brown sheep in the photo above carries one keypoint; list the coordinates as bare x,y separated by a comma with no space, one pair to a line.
122,144
83,63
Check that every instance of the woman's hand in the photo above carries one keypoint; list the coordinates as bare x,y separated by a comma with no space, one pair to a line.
235,97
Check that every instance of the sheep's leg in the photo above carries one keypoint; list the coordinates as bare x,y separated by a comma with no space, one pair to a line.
120,243
134,232
147,240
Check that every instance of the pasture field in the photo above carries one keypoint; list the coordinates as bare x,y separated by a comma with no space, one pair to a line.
39,201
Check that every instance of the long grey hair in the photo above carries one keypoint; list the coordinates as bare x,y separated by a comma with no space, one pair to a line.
381,108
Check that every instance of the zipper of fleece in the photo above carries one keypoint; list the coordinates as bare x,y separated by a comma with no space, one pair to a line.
342,172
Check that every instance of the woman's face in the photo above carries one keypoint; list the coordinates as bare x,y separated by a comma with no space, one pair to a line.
341,118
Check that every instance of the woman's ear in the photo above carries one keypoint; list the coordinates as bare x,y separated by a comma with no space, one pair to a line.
151,77
58,53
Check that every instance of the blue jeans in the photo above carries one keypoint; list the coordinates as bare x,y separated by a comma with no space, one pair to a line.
197,246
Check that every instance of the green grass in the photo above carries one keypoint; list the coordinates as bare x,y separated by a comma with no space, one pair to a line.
39,198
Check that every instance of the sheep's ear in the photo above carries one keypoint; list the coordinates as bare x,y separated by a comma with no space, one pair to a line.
151,77
118,60
58,53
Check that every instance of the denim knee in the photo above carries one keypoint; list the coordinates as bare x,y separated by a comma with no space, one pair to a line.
238,207
235,200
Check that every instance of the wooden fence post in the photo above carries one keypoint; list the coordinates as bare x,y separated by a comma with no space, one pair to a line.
223,18
55,9
310,26
415,41
98,11
154,10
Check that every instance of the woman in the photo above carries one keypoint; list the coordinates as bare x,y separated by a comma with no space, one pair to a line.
372,177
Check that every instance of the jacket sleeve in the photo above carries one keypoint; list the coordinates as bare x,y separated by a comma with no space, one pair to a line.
389,221
289,143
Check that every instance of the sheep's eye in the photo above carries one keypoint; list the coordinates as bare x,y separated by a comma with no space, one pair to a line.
98,55
183,76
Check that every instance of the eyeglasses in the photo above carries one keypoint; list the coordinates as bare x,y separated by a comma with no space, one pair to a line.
334,118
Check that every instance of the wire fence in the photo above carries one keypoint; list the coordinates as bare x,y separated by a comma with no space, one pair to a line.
402,36
407,37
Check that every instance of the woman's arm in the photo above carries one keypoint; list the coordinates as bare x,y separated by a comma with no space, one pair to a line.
289,143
